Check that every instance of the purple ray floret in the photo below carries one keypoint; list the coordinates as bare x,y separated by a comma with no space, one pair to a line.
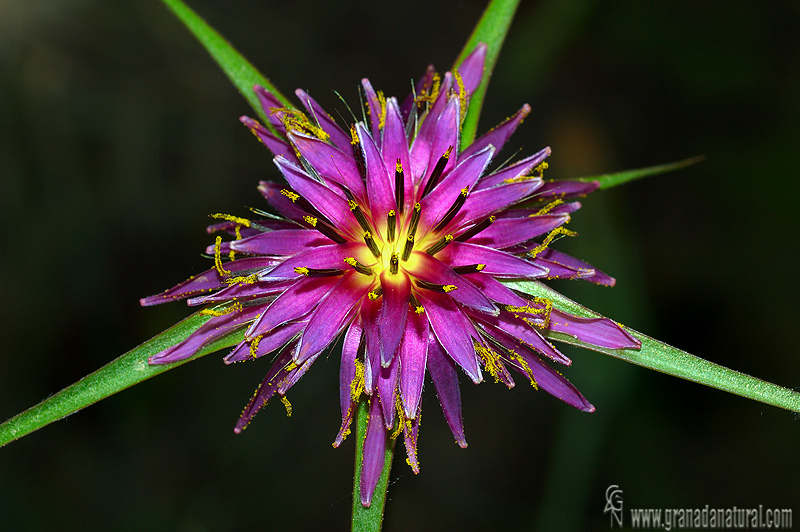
388,234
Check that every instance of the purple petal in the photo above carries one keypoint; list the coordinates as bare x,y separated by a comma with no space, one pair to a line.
276,145
326,122
424,83
481,203
507,232
347,370
270,104
413,357
395,146
553,382
601,332
372,360
324,199
498,263
566,189
211,330
281,243
447,323
444,135
275,339
410,438
421,148
517,331
466,175
207,281
514,171
498,135
387,391
330,162
322,257
373,453
392,316
445,380
282,204
495,290
379,188
240,291
328,318
471,69
296,301
266,389
563,259
434,271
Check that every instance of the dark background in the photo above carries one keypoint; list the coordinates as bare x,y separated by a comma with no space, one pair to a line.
119,136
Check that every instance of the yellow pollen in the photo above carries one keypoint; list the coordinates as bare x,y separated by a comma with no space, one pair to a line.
302,270
448,152
525,367
373,295
398,167
462,96
230,218
218,259
349,260
561,230
287,404
547,208
491,361
310,220
295,120
250,279
382,102
541,168
449,288
353,135
357,384
480,267
221,312
254,346
520,179
291,195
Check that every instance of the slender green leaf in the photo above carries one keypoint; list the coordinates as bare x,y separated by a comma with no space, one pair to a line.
491,30
238,69
667,359
369,519
127,370
618,178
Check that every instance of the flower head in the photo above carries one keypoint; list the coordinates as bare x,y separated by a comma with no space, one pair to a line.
391,235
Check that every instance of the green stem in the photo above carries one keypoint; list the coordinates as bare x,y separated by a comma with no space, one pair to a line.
123,372
618,178
369,519
667,359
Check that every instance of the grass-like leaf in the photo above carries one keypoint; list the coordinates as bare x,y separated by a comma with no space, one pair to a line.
242,74
667,359
127,370
491,29
619,178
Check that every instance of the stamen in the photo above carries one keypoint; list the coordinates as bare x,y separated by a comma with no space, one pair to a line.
287,404
541,168
254,346
475,229
391,225
296,120
462,96
409,247
412,230
547,208
373,247
358,153
305,205
393,264
217,311
440,245
325,229
375,293
561,230
357,266
230,218
453,210
359,214
472,268
437,171
399,186
218,258
357,384
446,288
491,360
418,308
318,272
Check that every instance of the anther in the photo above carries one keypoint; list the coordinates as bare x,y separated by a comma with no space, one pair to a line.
373,247
399,186
453,210
418,308
357,266
357,153
412,230
304,204
375,293
409,247
393,264
391,225
472,268
440,245
359,214
475,229
437,171
318,272
446,288
324,228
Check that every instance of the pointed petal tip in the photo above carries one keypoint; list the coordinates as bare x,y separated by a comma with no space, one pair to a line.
462,443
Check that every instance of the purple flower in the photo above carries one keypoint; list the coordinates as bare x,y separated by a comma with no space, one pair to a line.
390,235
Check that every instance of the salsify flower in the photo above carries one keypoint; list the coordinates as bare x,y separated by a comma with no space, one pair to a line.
390,235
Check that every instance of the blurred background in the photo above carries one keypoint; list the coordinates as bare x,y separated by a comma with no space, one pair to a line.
118,136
